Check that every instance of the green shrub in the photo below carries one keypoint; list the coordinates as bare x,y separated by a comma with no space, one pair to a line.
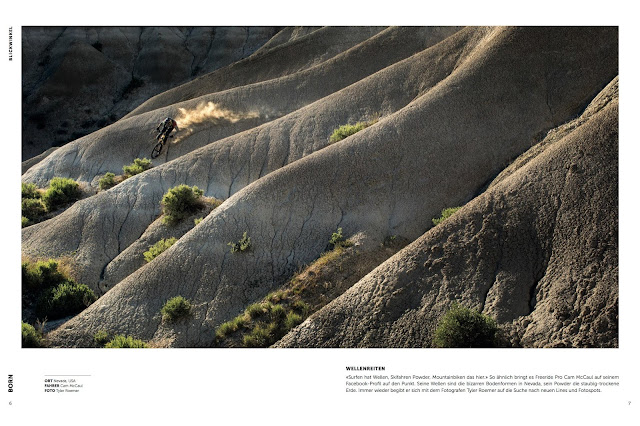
102,337
277,313
264,323
261,336
338,240
30,337
159,247
197,220
347,130
107,181
181,201
41,275
445,214
65,299
30,190
257,309
176,308
214,202
279,323
230,326
301,307
242,245
33,208
61,191
138,166
120,341
292,320
462,327
25,221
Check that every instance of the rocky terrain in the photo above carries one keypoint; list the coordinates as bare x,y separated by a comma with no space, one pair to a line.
517,125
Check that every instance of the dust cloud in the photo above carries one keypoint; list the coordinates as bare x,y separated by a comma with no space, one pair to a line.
206,113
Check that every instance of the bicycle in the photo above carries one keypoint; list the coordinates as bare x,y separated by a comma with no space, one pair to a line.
157,149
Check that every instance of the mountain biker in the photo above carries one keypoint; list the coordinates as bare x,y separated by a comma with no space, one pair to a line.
166,126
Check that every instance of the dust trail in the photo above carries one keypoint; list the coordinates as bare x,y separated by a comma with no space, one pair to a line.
209,113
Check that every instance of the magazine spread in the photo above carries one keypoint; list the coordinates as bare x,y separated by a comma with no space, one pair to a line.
382,219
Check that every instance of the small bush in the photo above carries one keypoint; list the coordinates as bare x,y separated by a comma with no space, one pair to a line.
264,333
277,313
338,240
25,221
61,191
243,244
445,214
462,327
102,337
30,337
264,323
33,208
65,299
107,181
30,190
138,166
181,201
120,341
230,326
214,202
347,130
159,247
197,220
260,337
256,310
292,320
41,275
176,308
301,307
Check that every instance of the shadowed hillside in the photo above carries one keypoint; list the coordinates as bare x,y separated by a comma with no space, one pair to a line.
519,125
79,79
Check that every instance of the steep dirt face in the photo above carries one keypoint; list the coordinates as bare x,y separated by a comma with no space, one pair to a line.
462,108
77,80
538,251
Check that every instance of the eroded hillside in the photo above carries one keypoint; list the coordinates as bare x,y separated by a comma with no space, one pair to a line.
79,79
447,110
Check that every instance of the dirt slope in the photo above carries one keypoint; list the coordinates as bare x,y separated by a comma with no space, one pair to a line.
538,252
453,114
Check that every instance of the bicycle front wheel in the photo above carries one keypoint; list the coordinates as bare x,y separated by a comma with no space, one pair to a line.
156,150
